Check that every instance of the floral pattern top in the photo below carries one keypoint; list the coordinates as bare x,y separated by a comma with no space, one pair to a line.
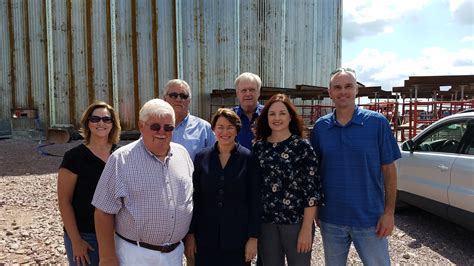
290,179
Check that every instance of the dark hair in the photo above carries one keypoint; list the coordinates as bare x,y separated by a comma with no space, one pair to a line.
114,135
228,114
296,123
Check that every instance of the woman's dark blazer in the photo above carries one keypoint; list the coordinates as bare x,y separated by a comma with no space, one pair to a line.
226,201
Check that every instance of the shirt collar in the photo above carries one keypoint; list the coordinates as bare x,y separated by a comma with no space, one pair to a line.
185,120
170,153
357,118
257,111
234,150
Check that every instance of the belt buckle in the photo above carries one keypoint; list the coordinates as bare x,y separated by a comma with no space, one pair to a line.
167,248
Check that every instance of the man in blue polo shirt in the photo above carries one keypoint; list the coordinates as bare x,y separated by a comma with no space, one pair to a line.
191,131
247,88
357,152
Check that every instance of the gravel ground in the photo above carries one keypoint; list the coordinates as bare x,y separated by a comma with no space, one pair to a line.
31,230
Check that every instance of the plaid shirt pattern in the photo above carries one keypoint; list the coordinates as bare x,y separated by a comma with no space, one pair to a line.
151,199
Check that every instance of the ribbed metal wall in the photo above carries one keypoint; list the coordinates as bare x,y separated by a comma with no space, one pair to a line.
5,82
59,56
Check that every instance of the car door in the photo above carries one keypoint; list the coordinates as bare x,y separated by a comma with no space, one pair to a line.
425,171
461,188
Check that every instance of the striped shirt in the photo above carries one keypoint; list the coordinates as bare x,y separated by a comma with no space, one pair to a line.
151,199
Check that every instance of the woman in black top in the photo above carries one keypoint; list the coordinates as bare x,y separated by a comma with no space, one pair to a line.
78,175
225,222
288,170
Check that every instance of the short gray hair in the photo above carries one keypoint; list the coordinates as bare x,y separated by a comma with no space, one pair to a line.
250,77
158,108
341,70
179,82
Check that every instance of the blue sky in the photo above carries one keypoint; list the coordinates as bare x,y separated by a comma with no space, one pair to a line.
388,41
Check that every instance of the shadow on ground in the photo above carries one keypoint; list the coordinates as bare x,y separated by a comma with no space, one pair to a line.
446,238
23,156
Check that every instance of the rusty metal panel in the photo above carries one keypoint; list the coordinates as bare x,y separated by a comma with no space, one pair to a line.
125,61
209,39
300,30
250,54
100,43
219,48
190,20
299,42
328,40
127,53
285,42
61,77
272,38
38,60
5,85
20,66
145,52
77,58
166,43
311,43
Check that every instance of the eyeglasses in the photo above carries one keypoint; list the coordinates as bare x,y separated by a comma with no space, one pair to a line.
174,95
105,119
157,127
343,69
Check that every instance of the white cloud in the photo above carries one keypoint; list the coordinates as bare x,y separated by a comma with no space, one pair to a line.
462,11
388,69
368,17
365,11
388,29
467,39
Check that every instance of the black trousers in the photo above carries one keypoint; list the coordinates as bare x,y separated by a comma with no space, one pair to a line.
216,257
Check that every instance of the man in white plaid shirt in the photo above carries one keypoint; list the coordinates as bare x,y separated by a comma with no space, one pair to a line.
144,197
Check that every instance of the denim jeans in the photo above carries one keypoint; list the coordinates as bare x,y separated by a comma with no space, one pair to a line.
89,238
337,241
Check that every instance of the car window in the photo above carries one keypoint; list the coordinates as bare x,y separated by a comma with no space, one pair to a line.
470,148
444,139
469,137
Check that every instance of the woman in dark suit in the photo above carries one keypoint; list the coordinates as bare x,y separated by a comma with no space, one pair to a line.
225,222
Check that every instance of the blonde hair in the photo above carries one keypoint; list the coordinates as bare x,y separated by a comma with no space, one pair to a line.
114,135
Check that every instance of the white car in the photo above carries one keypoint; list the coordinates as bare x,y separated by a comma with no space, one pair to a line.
436,171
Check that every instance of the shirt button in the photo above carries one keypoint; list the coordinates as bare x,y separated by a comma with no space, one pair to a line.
221,192
219,205
222,178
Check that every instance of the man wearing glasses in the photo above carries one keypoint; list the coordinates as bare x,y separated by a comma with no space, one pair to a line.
357,152
192,132
247,88
144,197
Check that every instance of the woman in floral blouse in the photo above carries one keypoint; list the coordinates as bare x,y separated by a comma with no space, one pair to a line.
290,183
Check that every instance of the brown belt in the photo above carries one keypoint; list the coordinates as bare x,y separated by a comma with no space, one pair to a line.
162,249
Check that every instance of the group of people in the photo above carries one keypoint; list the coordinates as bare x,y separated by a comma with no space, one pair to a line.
245,185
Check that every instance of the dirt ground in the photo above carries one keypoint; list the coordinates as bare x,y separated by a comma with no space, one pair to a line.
31,229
